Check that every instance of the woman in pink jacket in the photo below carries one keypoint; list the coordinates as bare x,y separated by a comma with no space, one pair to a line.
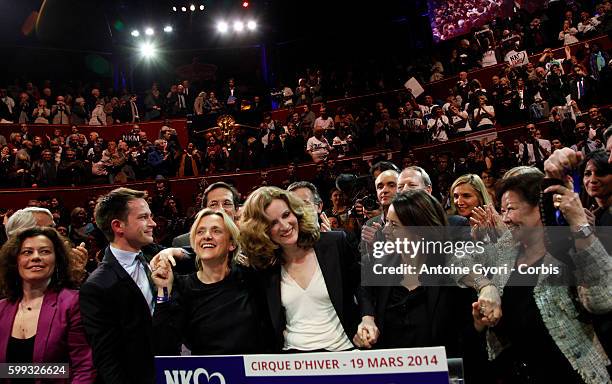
40,321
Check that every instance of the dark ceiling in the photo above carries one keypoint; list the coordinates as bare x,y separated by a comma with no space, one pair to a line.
101,25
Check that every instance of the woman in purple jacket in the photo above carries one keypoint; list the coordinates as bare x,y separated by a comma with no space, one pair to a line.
40,321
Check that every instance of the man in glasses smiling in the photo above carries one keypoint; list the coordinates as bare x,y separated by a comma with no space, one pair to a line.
218,196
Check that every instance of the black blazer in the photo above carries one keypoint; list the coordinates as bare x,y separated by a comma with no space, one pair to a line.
449,310
118,325
340,269
589,89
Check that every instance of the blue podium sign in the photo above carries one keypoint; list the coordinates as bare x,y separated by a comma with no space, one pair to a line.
388,366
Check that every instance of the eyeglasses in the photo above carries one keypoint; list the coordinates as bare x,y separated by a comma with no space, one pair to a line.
227,204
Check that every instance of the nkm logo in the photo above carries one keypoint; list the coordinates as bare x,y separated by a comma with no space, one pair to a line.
192,377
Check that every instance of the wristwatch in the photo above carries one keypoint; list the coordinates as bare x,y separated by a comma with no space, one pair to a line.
583,231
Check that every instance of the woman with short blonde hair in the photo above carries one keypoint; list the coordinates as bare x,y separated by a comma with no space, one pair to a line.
235,254
216,310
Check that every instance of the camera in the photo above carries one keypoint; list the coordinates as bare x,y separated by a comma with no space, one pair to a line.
361,190
369,203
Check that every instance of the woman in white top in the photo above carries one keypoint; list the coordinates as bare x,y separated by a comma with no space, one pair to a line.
459,120
438,125
309,278
484,115
568,34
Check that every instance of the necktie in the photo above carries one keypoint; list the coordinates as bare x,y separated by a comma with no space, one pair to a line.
149,296
581,90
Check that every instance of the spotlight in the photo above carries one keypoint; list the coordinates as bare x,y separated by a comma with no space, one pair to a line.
251,25
202,7
245,4
168,28
135,33
222,26
183,9
174,9
192,7
149,31
238,26
147,50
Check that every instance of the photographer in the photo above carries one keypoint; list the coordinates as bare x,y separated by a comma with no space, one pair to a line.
459,120
60,111
24,108
41,113
386,189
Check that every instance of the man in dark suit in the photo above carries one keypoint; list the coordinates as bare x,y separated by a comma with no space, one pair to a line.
190,95
231,97
118,299
581,88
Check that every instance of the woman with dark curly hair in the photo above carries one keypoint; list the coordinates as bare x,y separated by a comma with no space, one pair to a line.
309,277
40,320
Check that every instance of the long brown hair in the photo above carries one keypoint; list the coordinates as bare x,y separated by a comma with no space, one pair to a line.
257,246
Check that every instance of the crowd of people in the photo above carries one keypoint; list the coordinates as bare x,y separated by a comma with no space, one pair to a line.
453,18
562,88
110,282
566,90
277,270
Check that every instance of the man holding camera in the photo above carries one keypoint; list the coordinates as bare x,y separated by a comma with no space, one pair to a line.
60,111
386,189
